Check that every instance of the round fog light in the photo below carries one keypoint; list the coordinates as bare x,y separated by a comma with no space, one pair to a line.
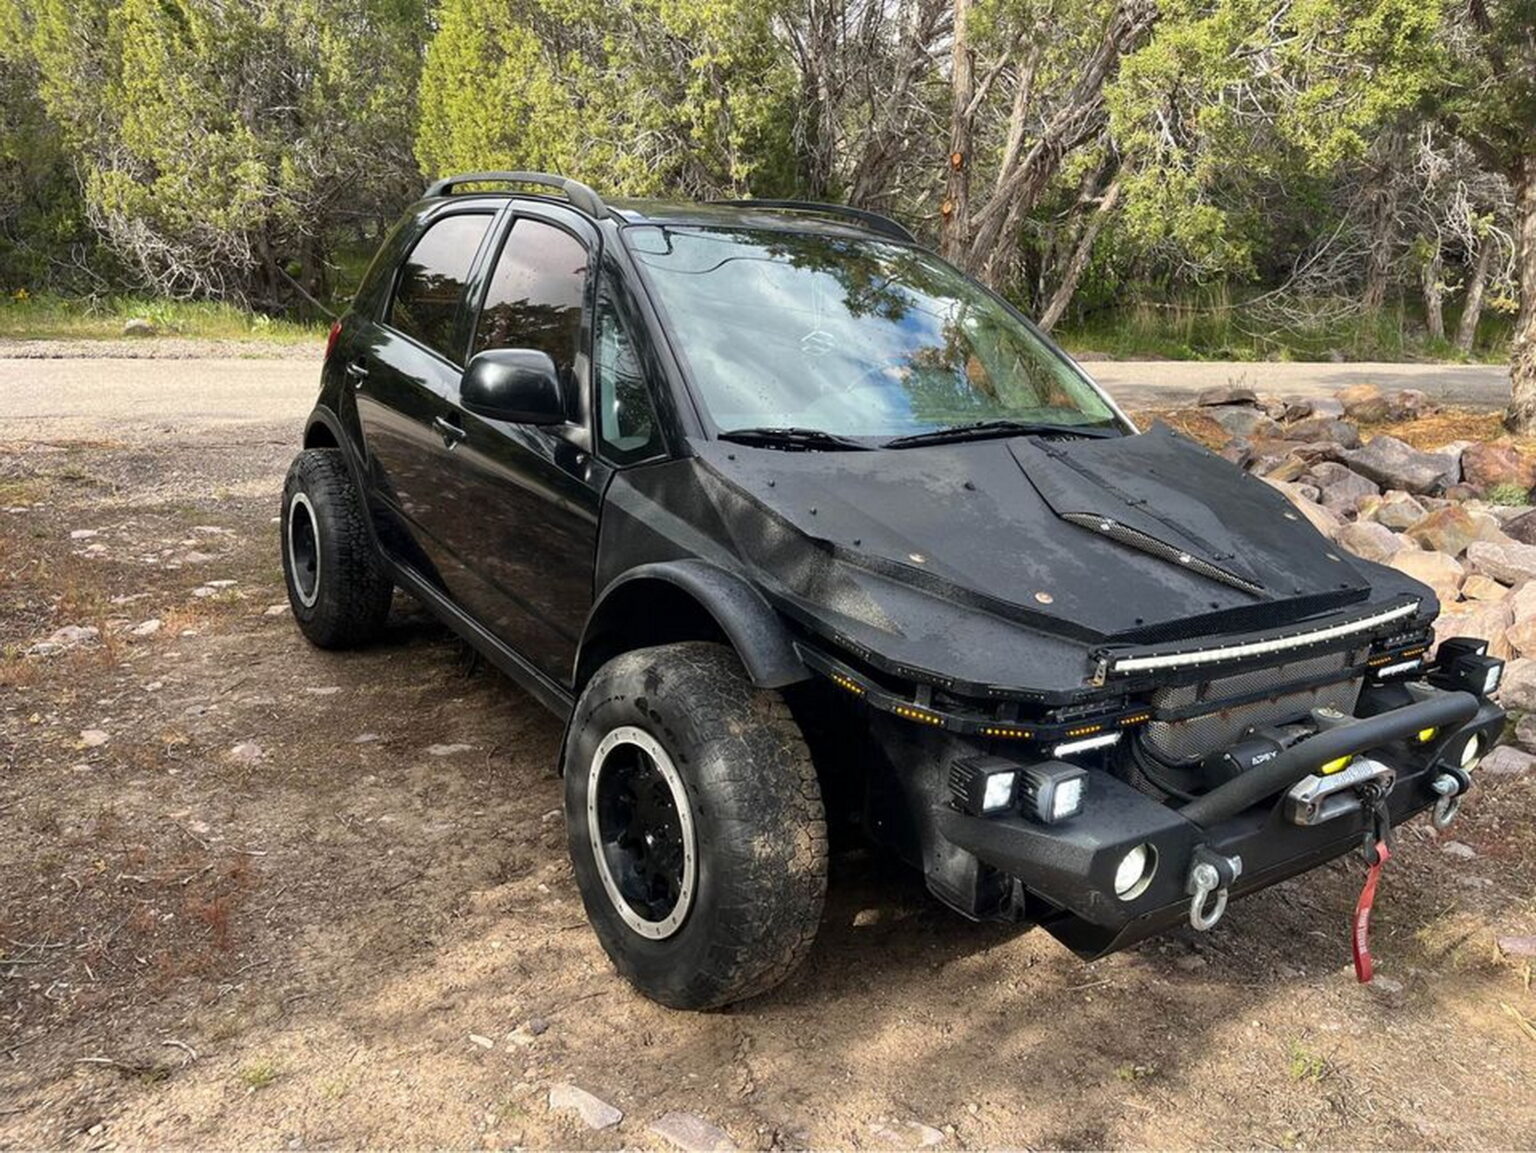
1134,872
1471,752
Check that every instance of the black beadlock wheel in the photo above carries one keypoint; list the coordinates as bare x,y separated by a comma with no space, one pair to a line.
696,828
337,586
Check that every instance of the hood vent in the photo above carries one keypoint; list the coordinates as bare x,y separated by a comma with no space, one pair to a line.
1150,545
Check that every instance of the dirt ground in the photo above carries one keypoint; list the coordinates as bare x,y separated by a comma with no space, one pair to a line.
257,895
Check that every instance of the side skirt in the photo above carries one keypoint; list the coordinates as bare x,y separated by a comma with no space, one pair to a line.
552,695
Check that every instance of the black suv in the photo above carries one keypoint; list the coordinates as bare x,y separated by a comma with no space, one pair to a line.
795,525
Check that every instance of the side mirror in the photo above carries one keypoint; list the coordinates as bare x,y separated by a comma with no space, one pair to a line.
513,384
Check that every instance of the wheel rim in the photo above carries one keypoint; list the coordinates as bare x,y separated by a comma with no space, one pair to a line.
641,831
303,549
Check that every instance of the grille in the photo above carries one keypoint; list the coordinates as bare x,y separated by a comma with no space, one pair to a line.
1154,547
1181,742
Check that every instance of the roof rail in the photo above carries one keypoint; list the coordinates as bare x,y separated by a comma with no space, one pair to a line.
872,220
580,196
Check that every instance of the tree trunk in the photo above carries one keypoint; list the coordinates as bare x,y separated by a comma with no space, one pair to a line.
1079,261
1472,309
1434,293
955,225
1521,417
1383,224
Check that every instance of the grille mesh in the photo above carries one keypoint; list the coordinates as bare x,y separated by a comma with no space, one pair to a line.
1142,542
1183,741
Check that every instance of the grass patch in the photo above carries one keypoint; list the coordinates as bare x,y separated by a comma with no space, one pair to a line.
1305,1064
258,1074
48,317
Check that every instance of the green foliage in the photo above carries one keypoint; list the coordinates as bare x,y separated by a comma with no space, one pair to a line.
639,97
46,316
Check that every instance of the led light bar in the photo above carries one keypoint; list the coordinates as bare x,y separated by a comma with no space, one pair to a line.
1259,648
1400,667
1068,748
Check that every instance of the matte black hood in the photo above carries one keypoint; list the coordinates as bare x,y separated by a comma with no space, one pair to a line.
937,557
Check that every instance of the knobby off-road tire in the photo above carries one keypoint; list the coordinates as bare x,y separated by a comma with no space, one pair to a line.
755,873
336,583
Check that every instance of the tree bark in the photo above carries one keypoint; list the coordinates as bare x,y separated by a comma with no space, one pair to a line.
1434,293
955,223
1472,308
1079,260
1521,417
1383,224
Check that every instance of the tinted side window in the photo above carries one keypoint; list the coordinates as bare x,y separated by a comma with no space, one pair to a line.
626,415
535,295
432,280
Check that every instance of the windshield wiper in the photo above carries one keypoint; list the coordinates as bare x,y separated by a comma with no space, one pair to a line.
982,429
795,439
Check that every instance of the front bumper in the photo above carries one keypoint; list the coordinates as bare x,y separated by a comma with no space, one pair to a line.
1068,869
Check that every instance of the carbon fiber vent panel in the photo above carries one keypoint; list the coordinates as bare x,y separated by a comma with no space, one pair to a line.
1181,742
1150,545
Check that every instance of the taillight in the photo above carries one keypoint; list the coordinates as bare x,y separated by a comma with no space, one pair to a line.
330,341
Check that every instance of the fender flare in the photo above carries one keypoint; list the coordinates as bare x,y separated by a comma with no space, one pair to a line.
751,625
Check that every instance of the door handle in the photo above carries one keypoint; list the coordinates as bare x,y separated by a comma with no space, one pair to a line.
450,432
358,371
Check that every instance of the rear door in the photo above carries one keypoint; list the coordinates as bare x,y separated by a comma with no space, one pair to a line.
407,377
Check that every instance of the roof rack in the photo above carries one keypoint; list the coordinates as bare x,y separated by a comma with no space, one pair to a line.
872,220
580,196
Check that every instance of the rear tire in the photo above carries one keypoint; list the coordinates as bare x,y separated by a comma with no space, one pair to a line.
337,586
696,826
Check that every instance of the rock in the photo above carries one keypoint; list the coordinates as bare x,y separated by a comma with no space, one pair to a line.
1522,528
139,326
1370,540
1398,510
1362,402
71,635
1478,587
1302,407
246,753
1517,946
538,1026
94,738
1341,487
1238,451
1488,620
596,1112
1458,849
146,628
365,738
223,584
1511,563
325,691
1519,639
1340,432
1393,463
690,1133
905,1135
482,1041
1489,528
1449,530
82,533
1407,404
1497,462
1517,688
1508,761
1440,572
1226,394
1461,493
274,610
1245,422
447,750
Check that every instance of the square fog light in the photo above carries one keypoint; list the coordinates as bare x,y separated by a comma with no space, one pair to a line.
1053,792
983,786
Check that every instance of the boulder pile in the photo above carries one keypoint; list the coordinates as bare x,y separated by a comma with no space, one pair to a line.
1424,513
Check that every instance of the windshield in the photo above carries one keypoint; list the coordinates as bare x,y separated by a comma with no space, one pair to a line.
850,336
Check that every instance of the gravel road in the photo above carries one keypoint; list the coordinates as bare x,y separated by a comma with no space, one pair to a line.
139,392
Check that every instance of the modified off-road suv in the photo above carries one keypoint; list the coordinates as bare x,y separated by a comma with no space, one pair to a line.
795,524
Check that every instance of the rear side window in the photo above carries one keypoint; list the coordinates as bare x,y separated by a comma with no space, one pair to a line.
535,295
431,282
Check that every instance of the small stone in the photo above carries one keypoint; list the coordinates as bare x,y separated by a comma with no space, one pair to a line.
195,557
1189,962
139,326
906,1135
1478,587
1399,510
594,1111
1240,421
94,738
274,610
1341,432
1508,761
690,1133
1517,946
1458,849
538,1026
864,918
146,628
204,591
246,753
447,750
1511,563
323,690
222,584
1370,540
1386,986
483,1041
74,635
83,533
365,738
1226,394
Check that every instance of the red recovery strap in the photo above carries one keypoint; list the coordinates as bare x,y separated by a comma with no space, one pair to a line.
1362,941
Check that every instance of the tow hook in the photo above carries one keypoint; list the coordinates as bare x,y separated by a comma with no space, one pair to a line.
1451,784
1210,873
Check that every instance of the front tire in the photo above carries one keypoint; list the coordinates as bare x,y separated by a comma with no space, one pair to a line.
337,586
696,827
